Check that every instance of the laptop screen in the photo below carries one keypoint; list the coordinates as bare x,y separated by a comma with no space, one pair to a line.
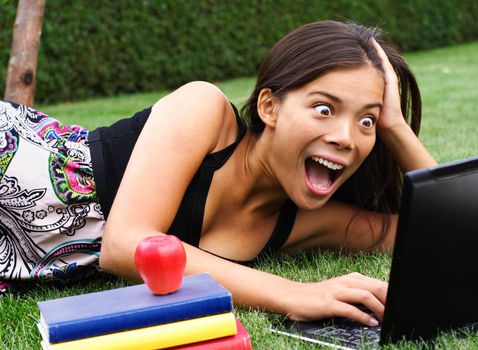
435,259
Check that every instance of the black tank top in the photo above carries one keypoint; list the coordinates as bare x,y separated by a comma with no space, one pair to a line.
109,164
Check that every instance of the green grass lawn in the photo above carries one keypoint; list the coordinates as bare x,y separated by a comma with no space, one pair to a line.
447,78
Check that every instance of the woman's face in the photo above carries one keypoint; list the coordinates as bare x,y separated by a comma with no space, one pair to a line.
324,131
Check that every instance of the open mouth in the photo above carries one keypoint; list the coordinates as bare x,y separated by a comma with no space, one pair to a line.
322,173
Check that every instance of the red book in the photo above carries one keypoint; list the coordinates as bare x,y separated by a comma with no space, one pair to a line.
240,341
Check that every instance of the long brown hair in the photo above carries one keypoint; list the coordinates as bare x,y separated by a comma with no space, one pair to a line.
316,48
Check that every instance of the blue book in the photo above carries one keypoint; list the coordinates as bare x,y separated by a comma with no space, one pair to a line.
127,308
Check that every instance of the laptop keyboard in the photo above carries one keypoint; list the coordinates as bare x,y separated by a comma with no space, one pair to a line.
347,333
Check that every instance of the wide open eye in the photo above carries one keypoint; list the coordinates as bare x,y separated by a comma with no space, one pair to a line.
367,122
323,109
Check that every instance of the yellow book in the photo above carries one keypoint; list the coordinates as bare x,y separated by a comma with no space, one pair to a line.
156,337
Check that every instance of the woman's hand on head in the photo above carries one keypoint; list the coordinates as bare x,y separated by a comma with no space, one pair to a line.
391,114
339,297
400,139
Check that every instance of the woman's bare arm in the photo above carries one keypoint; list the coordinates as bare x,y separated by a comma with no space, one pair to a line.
339,225
182,129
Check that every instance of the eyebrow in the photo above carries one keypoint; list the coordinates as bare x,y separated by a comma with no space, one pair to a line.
339,100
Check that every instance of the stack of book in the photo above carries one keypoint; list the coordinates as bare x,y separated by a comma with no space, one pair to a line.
197,316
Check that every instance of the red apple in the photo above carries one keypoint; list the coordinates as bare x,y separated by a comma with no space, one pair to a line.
160,261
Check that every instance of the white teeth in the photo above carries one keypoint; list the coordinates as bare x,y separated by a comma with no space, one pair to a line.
322,187
328,163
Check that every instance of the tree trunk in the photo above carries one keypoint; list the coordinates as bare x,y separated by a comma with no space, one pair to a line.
21,74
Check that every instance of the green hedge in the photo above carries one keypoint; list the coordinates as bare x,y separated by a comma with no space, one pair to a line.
91,48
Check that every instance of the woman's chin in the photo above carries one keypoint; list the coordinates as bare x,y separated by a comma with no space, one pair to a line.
311,202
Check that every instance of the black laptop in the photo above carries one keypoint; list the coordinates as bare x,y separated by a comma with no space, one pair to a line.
432,286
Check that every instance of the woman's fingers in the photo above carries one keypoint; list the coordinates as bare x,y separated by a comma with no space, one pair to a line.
353,313
356,296
376,287
339,297
391,80
386,65
356,289
391,113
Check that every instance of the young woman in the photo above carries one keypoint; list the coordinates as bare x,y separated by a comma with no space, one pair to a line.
319,164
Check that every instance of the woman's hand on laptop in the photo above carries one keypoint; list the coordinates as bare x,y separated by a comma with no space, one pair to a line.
339,297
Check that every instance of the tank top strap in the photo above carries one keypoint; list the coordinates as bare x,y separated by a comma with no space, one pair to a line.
283,228
217,159
187,224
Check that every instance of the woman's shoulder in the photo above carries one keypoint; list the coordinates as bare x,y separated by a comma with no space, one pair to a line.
202,106
201,94
202,87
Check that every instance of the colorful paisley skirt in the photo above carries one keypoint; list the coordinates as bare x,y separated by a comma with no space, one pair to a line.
51,221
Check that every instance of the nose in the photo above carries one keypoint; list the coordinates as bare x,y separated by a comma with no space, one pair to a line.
341,134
